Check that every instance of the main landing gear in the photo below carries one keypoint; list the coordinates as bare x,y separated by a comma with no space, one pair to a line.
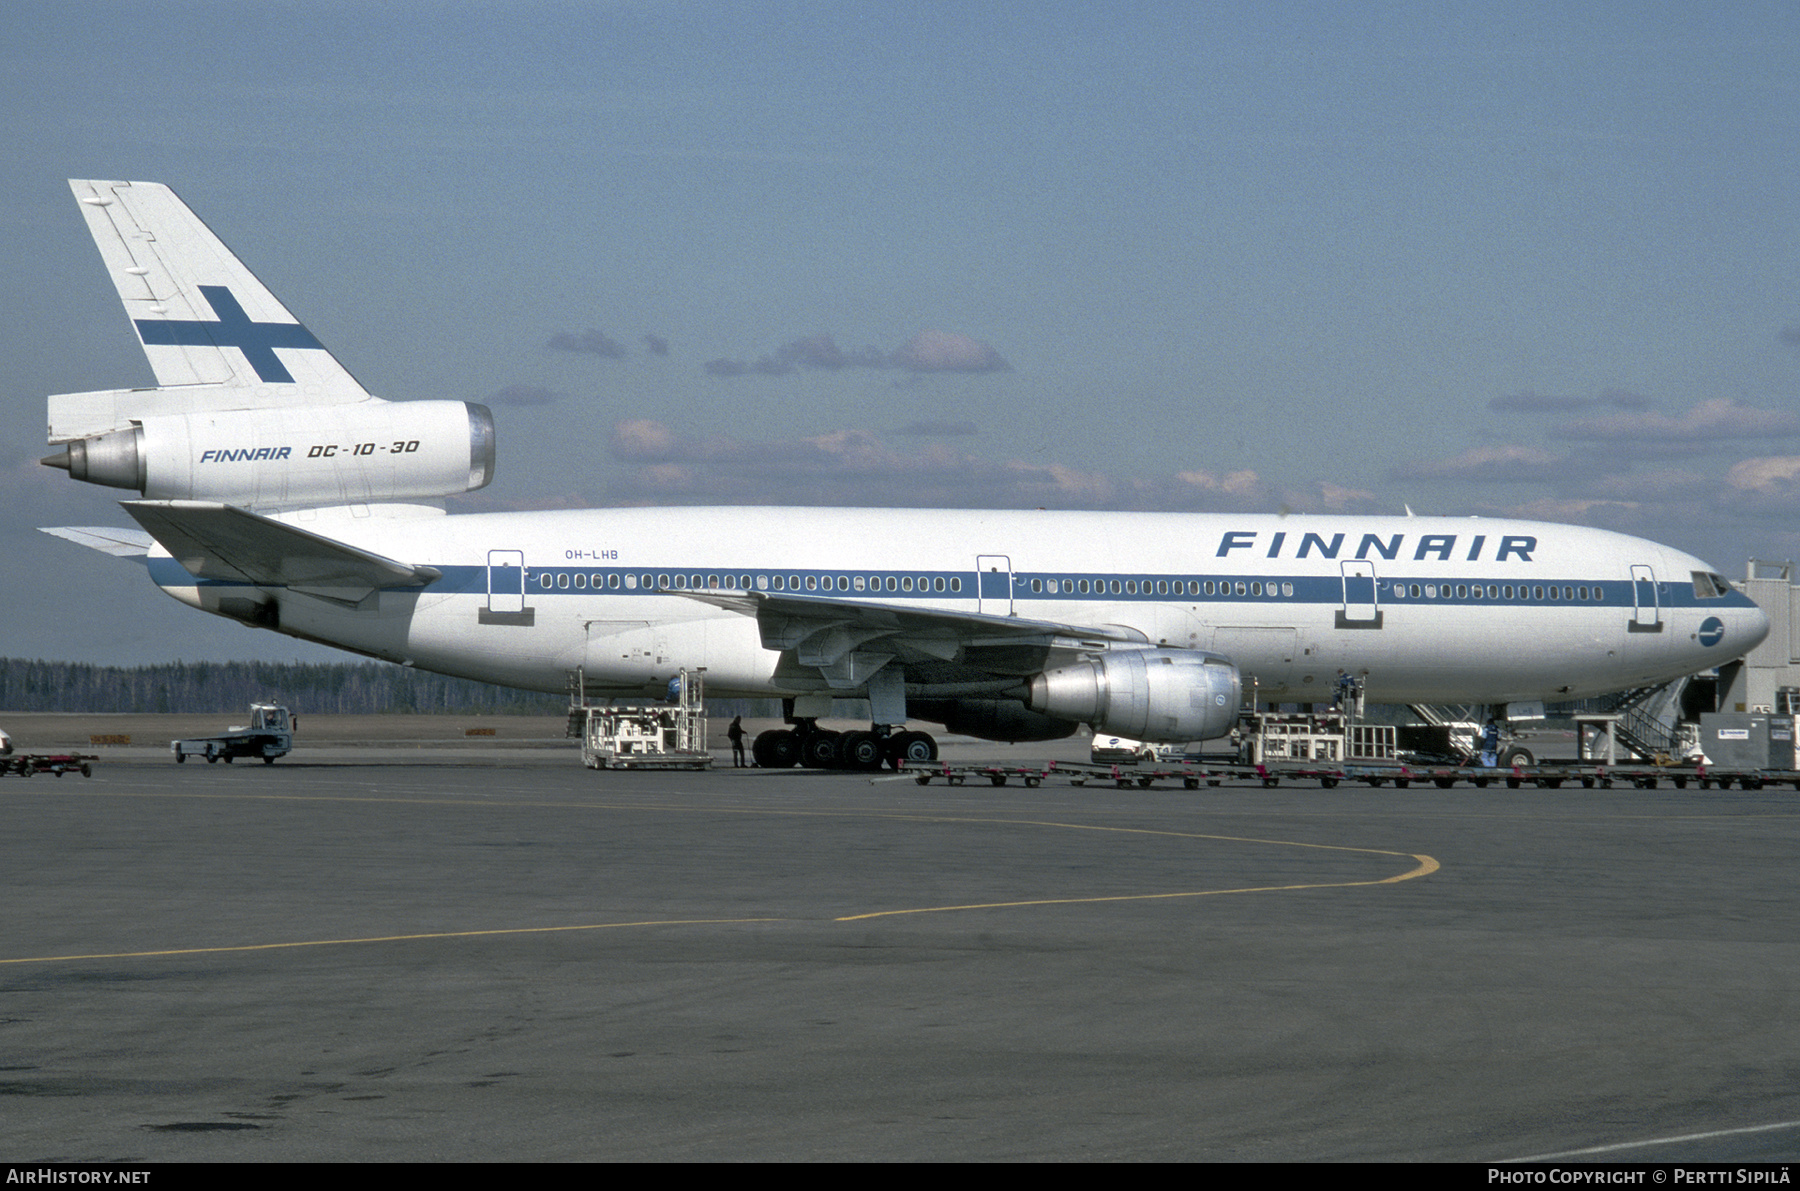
821,748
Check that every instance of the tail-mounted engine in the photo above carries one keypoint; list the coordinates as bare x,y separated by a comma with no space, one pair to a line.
1145,694
369,451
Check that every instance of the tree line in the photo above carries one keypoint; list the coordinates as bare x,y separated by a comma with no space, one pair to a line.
342,688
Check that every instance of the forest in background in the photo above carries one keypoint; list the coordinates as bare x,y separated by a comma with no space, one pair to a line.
337,688
344,688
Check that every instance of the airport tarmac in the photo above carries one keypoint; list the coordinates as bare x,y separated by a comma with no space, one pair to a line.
384,952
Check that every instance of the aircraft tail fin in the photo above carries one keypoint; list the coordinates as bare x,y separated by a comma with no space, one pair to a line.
203,317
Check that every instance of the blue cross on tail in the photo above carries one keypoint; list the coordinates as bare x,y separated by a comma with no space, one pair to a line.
257,341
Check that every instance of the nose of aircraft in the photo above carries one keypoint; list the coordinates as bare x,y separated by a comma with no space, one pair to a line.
1753,626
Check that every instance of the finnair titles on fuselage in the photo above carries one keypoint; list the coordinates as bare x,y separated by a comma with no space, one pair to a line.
281,494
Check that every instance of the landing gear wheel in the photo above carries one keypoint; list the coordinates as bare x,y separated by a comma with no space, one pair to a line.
911,746
860,750
821,751
776,749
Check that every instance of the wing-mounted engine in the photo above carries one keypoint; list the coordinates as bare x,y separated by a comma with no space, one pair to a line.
991,719
367,452
1146,694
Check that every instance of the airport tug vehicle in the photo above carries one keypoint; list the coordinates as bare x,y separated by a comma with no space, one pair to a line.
269,734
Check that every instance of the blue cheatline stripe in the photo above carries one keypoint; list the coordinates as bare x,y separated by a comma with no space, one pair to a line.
1226,590
257,341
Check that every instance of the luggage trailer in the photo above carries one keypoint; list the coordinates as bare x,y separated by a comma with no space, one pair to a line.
1332,749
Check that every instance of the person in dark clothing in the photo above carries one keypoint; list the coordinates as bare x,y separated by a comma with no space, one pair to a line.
736,735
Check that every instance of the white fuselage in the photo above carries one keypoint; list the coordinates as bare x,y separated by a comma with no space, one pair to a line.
1430,609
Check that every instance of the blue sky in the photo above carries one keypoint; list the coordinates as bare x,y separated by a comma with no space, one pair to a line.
1521,259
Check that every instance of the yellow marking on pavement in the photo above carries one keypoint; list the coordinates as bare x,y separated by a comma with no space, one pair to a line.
445,934
1426,866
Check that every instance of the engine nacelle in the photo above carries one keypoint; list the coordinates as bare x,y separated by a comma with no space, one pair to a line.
1147,694
991,719
367,452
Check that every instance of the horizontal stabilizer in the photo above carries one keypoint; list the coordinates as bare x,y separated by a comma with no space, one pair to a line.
215,541
120,543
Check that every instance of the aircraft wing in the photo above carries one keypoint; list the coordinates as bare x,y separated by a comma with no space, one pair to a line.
216,541
120,543
847,641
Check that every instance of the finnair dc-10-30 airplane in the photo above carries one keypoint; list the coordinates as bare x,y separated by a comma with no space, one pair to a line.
276,491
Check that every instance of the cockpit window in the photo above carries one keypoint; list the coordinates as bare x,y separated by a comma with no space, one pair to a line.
1708,586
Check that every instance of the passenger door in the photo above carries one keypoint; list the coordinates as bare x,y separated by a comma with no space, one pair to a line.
1360,609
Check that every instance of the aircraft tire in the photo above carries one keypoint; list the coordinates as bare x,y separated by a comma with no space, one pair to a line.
912,746
861,750
821,751
777,748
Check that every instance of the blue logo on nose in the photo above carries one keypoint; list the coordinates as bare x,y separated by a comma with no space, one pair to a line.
1712,631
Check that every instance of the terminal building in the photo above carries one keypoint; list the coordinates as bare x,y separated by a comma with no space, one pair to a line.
1768,680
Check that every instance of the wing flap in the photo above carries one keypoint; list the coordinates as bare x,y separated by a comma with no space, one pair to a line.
845,641
120,543
217,541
